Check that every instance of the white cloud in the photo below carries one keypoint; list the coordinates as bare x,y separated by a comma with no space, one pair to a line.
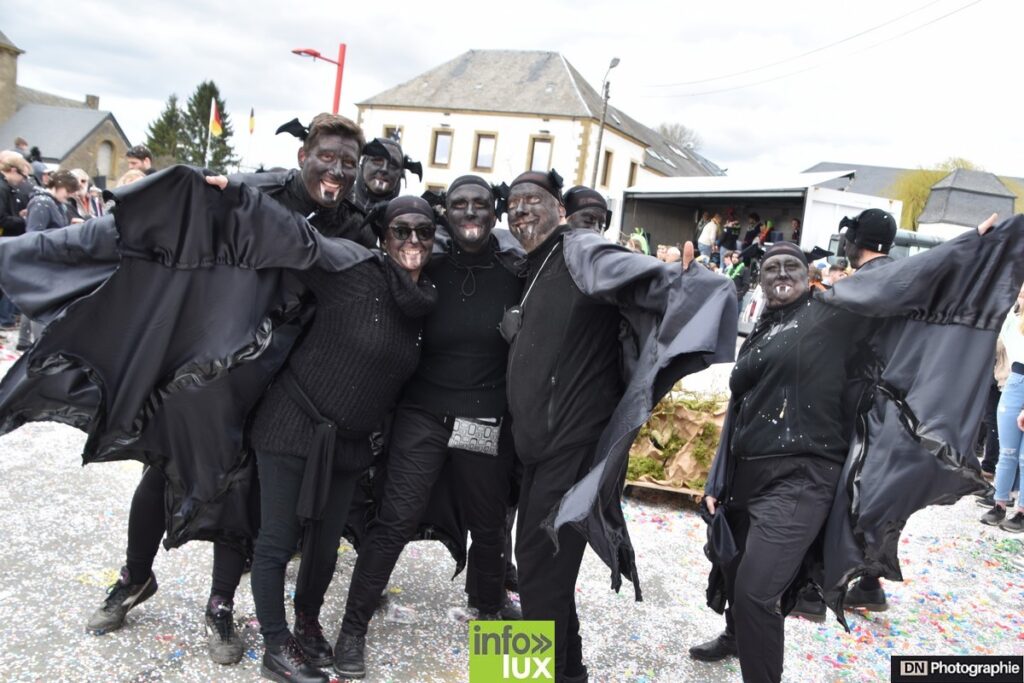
947,89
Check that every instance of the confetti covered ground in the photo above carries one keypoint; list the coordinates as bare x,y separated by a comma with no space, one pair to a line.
62,538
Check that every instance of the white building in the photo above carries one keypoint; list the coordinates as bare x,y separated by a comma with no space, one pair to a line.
498,113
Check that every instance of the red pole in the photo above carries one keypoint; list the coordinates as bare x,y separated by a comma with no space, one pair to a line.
341,70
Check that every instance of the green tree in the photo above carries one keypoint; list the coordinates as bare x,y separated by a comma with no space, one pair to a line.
197,130
913,187
165,136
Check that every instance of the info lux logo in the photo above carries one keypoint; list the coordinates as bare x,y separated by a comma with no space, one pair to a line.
502,651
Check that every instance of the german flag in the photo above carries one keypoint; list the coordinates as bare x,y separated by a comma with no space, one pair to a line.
216,129
252,120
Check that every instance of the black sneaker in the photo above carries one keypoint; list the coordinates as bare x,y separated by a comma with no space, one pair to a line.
122,596
508,612
223,642
1014,524
994,516
871,599
809,606
349,660
288,664
721,646
310,637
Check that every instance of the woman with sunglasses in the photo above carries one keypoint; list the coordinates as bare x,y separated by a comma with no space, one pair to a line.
341,378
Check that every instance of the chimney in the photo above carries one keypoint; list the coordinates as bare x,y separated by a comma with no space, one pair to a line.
8,79
92,101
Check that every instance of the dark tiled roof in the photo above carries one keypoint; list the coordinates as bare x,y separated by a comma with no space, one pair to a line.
874,180
532,82
56,131
979,182
967,198
25,96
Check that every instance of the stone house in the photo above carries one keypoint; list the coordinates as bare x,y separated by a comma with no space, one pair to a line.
68,133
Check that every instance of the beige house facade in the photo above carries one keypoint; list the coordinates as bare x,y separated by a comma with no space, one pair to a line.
498,113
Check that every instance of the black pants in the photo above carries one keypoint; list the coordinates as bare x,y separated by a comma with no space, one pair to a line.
547,582
989,430
417,454
146,526
776,509
280,530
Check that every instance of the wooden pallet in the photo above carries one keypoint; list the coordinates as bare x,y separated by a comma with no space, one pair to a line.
688,493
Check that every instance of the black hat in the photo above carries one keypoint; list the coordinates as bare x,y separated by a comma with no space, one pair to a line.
786,248
550,181
873,229
581,197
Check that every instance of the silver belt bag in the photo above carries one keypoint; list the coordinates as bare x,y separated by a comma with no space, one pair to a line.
476,434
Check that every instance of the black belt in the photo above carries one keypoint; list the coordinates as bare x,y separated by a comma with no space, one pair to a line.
1017,368
316,477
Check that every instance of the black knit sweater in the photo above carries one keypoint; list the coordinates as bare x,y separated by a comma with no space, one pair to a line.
462,372
360,348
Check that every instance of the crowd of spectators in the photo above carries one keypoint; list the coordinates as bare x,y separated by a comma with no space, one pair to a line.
36,197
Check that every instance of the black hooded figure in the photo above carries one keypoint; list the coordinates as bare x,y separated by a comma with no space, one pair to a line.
382,168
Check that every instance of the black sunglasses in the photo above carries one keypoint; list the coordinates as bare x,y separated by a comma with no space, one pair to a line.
423,234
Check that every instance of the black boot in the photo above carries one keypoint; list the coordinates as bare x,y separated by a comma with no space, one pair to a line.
349,660
867,594
809,605
718,648
311,639
288,664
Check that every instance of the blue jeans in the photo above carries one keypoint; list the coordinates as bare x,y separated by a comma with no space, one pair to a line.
704,249
1010,468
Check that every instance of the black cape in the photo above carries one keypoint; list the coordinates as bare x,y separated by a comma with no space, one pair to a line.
166,322
916,427
677,322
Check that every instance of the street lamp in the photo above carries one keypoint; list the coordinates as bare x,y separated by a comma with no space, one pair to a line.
306,52
604,112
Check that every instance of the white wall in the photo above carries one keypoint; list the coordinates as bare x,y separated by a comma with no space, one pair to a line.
512,149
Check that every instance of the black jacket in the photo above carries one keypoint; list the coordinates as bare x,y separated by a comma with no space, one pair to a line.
787,384
287,188
675,322
12,223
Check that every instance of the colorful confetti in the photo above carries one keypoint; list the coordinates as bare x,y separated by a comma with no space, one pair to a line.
62,538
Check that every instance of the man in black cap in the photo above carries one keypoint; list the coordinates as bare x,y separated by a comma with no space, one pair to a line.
586,209
574,383
868,238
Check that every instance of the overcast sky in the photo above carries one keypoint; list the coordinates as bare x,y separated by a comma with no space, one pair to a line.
914,88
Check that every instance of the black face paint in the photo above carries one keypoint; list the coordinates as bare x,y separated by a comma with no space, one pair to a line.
381,174
470,214
783,279
329,169
592,218
407,242
532,214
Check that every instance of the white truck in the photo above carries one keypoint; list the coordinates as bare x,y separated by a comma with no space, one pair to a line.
670,208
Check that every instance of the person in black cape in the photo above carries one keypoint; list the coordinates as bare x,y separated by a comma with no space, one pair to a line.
808,486
599,336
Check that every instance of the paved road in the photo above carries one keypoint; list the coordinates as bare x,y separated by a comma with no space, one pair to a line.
62,536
